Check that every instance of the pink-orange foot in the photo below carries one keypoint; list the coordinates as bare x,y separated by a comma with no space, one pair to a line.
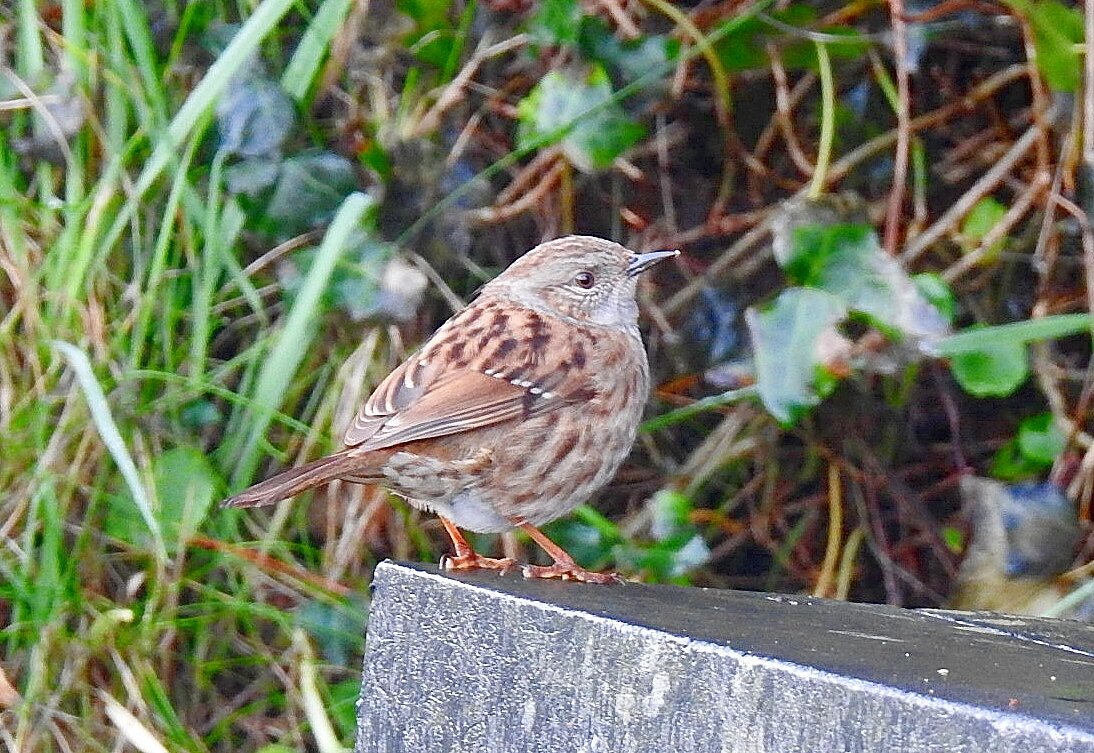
564,568
475,561
467,558
569,571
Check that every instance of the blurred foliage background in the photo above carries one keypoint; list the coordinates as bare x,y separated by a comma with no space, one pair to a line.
221,223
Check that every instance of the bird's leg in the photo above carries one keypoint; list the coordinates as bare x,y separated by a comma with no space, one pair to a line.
564,568
467,558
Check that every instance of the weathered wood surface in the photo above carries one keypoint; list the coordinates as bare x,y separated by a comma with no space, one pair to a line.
486,663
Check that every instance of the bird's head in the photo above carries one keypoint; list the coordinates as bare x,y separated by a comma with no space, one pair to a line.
581,277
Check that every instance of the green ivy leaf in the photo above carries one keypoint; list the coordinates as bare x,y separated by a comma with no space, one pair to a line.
847,260
594,139
785,337
1040,439
670,514
844,42
557,22
254,117
590,537
745,47
249,178
996,370
186,486
630,58
938,293
980,221
337,627
310,187
1057,33
1009,464
679,548
666,561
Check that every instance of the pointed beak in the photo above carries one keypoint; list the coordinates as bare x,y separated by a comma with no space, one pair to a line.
639,263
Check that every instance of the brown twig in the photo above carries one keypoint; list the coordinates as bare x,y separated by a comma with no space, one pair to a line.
903,118
530,174
732,256
1041,100
453,93
988,88
530,200
664,173
987,182
1045,253
784,115
268,563
623,22
774,127
986,245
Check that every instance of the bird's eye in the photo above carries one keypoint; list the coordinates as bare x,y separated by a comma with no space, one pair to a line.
584,280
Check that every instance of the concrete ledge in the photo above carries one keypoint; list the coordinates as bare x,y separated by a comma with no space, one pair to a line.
501,664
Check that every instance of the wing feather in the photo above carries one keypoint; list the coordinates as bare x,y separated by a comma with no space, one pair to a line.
397,391
501,375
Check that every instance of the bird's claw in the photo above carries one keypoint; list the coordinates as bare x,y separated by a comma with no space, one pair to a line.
475,561
570,571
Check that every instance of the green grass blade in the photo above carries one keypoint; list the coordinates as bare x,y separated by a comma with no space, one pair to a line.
112,438
208,272
152,294
304,65
1072,601
657,423
134,21
29,50
1032,330
295,338
235,55
196,108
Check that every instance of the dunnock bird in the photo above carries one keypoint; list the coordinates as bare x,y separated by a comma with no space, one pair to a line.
514,412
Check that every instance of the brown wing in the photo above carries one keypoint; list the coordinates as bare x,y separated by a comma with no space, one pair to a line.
489,364
398,390
458,402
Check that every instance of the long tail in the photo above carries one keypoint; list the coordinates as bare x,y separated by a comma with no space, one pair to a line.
349,462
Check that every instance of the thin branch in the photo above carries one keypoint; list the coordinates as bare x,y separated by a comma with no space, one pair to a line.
1088,87
783,118
987,183
828,122
904,131
453,93
986,246
745,245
